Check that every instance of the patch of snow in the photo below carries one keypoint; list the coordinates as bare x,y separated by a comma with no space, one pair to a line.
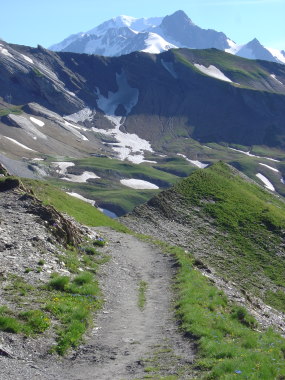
253,155
266,182
75,195
73,129
21,145
169,67
205,146
194,162
80,178
38,159
82,115
282,181
129,145
28,59
232,47
277,54
274,77
212,71
138,184
269,167
37,121
62,166
155,44
138,24
126,95
71,93
5,52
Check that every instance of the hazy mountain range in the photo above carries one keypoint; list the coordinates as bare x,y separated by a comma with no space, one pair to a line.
124,34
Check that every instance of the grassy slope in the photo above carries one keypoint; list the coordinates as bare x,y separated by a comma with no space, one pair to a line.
240,70
253,223
78,209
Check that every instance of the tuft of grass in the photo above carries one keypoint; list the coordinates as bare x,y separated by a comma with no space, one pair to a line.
142,294
59,283
36,321
72,305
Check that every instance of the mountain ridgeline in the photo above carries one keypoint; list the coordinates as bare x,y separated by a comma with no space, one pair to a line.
208,95
125,34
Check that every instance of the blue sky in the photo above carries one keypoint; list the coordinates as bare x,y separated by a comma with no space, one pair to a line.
32,22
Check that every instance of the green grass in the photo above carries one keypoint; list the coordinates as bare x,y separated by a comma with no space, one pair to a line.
29,322
251,223
240,70
16,110
142,294
80,210
72,303
227,341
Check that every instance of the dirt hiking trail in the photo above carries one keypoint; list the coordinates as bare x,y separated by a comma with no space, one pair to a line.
127,342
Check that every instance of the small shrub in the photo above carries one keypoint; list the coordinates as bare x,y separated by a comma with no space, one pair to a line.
90,251
10,324
36,321
241,314
59,283
99,242
41,262
83,278
28,270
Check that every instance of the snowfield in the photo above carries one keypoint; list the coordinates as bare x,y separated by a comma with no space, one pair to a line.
82,115
266,182
155,44
28,59
19,144
75,195
193,162
80,178
269,167
62,166
73,129
253,155
37,121
212,71
274,77
126,95
129,145
5,52
138,184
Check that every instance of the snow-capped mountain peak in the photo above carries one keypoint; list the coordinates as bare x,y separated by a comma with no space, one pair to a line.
137,24
125,34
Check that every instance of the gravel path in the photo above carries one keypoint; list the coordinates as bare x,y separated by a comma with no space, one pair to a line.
125,341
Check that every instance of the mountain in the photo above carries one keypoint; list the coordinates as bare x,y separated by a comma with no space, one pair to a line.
185,109
125,34
254,50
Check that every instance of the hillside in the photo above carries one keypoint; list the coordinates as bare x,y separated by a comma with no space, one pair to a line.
225,228
233,227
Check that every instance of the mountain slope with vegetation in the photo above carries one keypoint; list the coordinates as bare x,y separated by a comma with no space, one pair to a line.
230,224
222,339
